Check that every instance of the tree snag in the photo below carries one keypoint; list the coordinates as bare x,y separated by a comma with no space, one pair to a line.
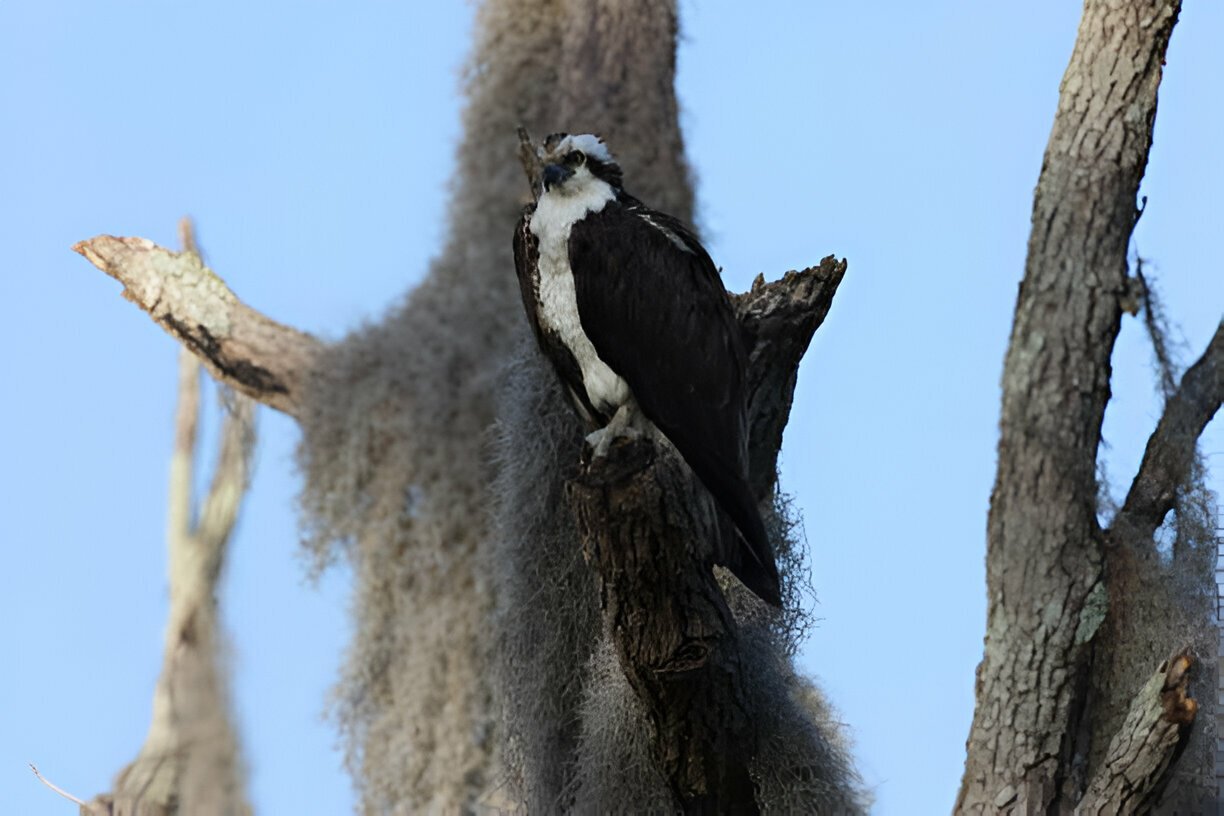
647,527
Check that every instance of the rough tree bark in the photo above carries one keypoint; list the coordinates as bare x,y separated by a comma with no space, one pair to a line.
266,360
1064,700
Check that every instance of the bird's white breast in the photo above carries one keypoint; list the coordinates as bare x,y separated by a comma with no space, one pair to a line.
555,215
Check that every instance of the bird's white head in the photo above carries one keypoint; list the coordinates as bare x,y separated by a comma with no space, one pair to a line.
573,165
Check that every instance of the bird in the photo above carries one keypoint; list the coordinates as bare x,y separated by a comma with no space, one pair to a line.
627,305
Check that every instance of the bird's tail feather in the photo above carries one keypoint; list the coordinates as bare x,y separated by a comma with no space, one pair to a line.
756,566
753,560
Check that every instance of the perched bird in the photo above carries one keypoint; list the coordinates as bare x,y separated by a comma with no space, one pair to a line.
632,313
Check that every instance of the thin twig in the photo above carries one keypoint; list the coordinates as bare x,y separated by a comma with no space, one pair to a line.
530,158
55,787
1157,328
187,236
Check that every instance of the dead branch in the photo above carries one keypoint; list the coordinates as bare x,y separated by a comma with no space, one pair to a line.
219,510
778,321
1132,775
1169,456
55,787
266,360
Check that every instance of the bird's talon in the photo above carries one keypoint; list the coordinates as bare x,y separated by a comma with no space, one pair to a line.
602,439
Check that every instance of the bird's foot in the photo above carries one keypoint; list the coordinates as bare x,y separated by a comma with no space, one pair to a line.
602,439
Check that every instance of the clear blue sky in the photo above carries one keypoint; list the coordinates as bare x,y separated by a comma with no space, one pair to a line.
313,143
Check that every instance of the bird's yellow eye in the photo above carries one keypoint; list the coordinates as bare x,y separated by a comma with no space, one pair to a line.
575,157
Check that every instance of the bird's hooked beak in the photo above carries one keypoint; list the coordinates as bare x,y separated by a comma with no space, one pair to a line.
555,174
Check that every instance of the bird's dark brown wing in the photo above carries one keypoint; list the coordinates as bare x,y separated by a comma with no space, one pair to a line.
654,307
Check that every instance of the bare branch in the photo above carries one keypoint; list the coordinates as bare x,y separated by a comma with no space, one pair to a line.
1043,538
219,511
182,460
187,236
263,359
1132,775
1169,456
54,787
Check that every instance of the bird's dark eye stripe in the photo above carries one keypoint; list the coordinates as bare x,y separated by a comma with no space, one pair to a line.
575,157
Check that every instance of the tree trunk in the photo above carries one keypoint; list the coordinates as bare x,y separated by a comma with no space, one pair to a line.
1055,691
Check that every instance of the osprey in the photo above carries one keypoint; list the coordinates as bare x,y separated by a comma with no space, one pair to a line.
630,310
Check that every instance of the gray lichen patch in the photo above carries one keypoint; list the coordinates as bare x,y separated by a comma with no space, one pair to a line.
1096,607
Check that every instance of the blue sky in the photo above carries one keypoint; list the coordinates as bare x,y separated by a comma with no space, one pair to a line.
313,143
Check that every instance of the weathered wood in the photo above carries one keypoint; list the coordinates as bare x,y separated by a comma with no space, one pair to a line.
779,319
640,518
268,361
1130,778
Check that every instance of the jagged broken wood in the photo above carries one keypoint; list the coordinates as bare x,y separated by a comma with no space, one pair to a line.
266,360
529,157
650,530
1131,777
778,320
